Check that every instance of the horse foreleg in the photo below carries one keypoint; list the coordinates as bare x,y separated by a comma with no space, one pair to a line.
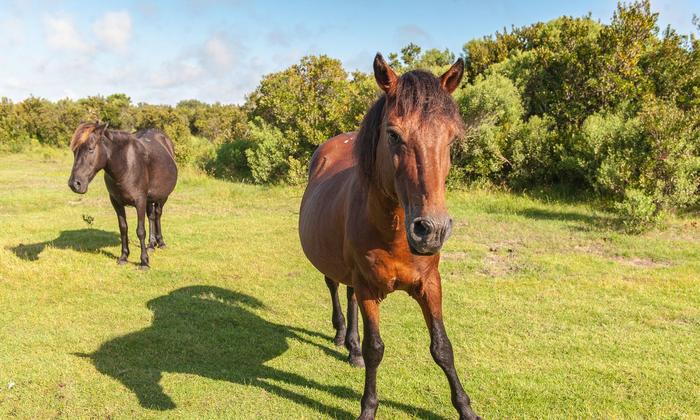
372,351
430,301
337,316
141,232
352,338
123,230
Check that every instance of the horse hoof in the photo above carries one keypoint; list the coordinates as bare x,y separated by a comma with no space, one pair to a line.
162,246
122,261
143,267
357,361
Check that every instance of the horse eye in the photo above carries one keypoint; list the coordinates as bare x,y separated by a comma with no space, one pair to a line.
394,138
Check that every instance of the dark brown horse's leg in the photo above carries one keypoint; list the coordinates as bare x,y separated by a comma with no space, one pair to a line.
141,232
430,301
123,230
337,316
152,227
352,338
159,230
372,352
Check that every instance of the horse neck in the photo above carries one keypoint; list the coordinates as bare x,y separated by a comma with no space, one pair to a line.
115,150
384,210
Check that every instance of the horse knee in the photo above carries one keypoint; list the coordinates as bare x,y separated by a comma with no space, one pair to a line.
141,232
372,350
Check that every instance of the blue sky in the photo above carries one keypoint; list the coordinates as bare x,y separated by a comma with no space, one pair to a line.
166,51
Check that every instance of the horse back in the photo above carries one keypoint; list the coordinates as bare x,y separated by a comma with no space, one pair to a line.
152,134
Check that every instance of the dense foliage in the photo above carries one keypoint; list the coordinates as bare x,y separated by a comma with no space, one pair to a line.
609,109
606,108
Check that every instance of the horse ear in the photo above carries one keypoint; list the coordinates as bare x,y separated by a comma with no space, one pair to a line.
452,77
101,131
384,75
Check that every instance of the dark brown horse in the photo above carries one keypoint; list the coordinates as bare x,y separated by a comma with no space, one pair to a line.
140,171
373,216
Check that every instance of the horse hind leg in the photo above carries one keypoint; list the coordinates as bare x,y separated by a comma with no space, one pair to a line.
152,226
158,207
337,317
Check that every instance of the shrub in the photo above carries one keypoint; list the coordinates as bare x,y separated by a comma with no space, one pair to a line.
499,145
655,152
268,156
231,161
637,211
531,153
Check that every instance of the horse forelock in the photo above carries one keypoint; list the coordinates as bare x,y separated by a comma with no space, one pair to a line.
81,135
418,95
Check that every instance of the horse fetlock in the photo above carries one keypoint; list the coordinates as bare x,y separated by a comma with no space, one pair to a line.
356,360
369,407
339,339
470,415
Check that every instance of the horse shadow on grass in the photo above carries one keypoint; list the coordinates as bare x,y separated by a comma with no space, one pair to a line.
84,240
212,332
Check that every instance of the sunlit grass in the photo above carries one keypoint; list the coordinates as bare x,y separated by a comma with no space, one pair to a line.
552,311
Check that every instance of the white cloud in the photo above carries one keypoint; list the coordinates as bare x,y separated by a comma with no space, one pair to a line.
61,34
114,30
177,72
219,52
12,31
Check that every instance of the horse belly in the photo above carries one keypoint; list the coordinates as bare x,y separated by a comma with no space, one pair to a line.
162,179
321,231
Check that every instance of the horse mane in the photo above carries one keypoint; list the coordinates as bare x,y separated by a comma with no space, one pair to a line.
417,93
82,134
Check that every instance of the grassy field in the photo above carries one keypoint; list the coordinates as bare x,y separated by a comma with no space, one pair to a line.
551,310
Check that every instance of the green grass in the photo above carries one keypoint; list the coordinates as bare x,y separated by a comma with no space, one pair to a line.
551,311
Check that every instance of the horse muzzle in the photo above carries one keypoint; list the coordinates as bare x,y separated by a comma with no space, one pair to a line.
78,186
426,235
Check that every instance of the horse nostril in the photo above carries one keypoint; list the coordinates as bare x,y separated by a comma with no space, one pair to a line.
422,228
77,183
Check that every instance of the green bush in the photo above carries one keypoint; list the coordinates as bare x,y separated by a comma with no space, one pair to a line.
492,111
637,211
230,161
655,151
269,155
532,152
499,145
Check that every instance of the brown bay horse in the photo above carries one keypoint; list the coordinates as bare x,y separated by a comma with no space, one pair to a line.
373,216
140,171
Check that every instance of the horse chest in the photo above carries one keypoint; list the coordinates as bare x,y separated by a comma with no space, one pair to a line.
388,272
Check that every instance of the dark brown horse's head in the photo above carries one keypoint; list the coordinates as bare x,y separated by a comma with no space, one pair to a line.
404,144
90,154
